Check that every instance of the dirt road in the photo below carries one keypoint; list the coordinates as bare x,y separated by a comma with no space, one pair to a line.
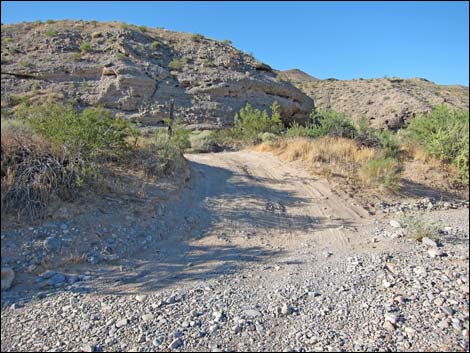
256,255
240,208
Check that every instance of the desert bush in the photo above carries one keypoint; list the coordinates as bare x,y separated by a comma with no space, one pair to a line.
96,35
178,137
381,172
418,226
33,171
227,41
50,32
178,63
324,123
297,130
268,138
143,28
196,37
444,133
204,141
250,122
85,47
16,125
93,133
155,45
158,158
77,56
331,123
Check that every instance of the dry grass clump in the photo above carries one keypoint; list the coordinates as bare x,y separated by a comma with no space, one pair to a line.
337,156
33,171
331,150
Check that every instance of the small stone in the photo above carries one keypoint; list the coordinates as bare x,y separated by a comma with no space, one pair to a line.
443,324
148,317
391,318
121,323
89,348
286,310
388,326
52,244
429,242
448,311
73,279
439,301
178,342
251,313
140,338
395,224
218,316
435,252
57,279
48,274
156,342
399,299
386,283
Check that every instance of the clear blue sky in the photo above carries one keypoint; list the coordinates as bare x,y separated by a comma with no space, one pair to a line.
325,39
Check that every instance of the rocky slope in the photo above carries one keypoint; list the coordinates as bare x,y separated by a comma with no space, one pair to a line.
137,71
385,102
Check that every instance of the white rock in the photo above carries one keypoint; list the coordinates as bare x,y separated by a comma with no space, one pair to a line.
429,242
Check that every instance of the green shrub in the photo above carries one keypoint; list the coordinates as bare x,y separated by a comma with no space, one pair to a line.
85,47
178,63
383,172
324,123
417,226
331,123
121,56
77,56
50,21
444,133
196,37
155,45
93,133
96,35
389,143
250,122
159,158
50,32
227,41
204,141
268,138
8,40
16,125
179,136
297,130
143,28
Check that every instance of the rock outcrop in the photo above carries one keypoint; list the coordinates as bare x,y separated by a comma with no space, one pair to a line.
137,72
384,102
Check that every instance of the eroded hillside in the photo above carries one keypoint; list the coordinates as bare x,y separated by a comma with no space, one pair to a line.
384,102
137,71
